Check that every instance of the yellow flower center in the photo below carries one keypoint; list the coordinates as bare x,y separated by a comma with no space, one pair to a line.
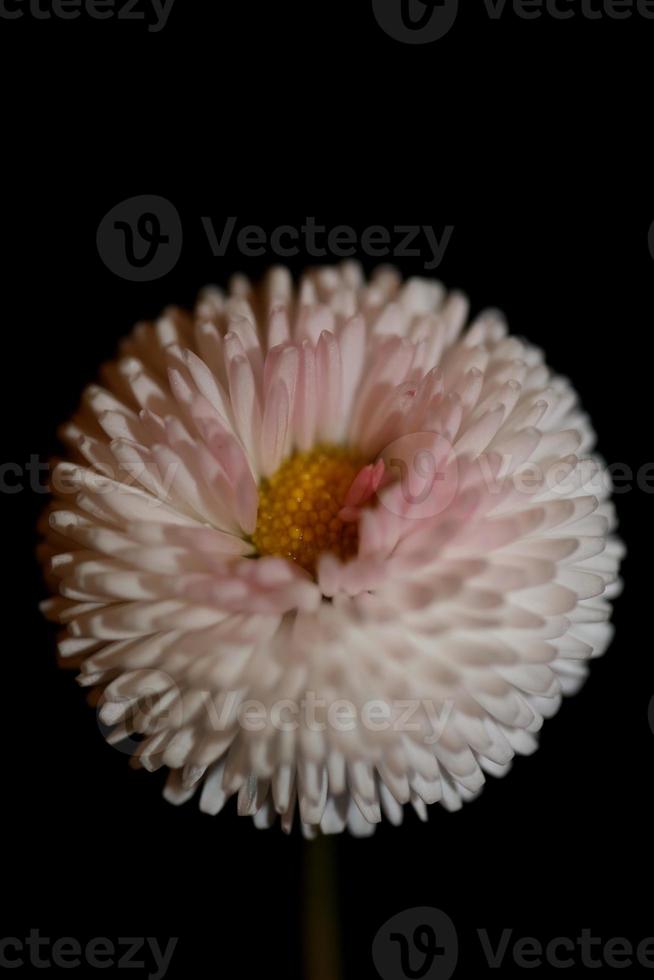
299,505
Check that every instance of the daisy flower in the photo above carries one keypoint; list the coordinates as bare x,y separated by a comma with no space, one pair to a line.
328,550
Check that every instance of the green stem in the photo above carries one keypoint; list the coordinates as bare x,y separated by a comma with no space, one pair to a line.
321,918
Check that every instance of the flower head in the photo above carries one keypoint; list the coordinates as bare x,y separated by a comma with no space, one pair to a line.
324,548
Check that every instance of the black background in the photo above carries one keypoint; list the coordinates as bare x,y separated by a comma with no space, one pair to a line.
508,131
